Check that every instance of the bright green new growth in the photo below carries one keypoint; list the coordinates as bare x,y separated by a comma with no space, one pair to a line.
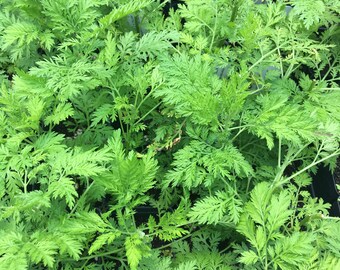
211,118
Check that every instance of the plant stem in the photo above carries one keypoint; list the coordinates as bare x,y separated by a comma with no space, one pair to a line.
137,24
177,240
329,69
25,184
281,64
279,154
238,133
240,127
286,163
85,192
84,264
296,202
248,185
148,95
214,31
307,168
145,115
265,56
235,10
94,256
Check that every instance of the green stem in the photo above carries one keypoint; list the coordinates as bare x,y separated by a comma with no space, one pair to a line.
240,127
226,248
286,163
329,69
84,264
279,154
234,10
248,185
319,151
94,256
137,24
336,88
307,168
296,203
265,56
25,183
214,31
290,68
238,133
281,64
163,3
148,95
121,125
309,218
85,192
172,242
145,115
256,91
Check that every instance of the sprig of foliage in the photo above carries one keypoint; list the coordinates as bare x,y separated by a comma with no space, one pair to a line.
210,114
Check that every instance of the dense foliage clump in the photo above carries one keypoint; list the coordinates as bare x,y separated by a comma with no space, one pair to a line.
156,135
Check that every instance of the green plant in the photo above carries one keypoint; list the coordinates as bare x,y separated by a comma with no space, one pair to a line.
213,116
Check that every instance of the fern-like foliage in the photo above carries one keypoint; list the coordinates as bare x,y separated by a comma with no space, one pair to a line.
191,88
69,78
262,223
223,207
128,176
312,14
200,163
162,135
123,11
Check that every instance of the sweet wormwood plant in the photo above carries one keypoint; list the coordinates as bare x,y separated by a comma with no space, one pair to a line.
213,115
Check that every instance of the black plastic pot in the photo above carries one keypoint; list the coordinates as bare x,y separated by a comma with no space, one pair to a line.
324,186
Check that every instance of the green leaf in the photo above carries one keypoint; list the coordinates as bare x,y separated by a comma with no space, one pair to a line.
129,175
41,250
64,188
291,122
35,108
69,77
60,113
84,222
29,202
191,265
293,251
69,244
49,142
213,209
258,207
249,257
169,226
106,238
278,211
17,38
135,250
210,210
14,261
246,226
123,10
103,114
155,43
79,162
198,162
309,13
191,89
155,260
